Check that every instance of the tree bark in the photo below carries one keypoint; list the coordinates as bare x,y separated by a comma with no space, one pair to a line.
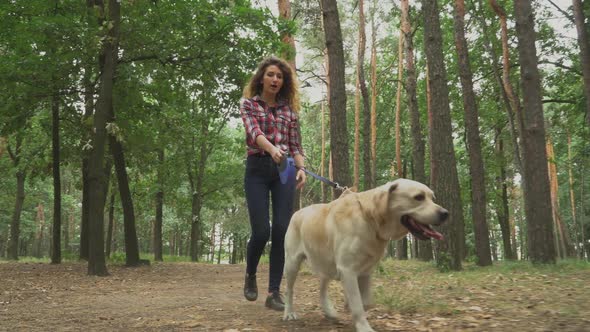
40,231
511,101
584,44
56,243
476,168
424,250
536,193
89,92
111,225
398,102
196,184
13,245
572,193
443,166
357,126
565,242
502,208
323,156
159,209
289,50
373,102
289,53
337,99
131,243
585,250
367,175
96,259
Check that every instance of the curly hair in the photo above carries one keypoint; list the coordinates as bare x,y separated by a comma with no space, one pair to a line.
290,89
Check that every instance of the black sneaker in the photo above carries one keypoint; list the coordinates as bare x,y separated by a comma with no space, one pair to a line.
275,301
250,288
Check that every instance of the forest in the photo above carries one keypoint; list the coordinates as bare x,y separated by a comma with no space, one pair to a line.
120,133
123,207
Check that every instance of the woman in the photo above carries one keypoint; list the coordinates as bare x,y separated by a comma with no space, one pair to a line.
269,110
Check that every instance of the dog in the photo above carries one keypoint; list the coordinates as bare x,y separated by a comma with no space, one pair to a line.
345,239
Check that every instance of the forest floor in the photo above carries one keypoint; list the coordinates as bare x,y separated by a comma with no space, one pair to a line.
411,296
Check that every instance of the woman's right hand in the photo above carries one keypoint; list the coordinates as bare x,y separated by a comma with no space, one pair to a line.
277,155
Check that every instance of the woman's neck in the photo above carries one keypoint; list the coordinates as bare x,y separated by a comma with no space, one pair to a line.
270,99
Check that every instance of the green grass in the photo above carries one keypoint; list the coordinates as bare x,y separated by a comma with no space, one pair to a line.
412,286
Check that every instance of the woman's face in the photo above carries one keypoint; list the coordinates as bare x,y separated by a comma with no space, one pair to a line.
272,81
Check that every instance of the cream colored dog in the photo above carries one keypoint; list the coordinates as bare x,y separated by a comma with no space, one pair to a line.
345,239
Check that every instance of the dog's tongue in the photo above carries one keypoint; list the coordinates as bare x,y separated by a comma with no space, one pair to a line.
428,231
432,233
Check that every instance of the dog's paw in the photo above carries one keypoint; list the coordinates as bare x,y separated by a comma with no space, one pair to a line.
331,314
290,316
363,328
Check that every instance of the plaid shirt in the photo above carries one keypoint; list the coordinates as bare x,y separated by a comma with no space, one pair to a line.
281,127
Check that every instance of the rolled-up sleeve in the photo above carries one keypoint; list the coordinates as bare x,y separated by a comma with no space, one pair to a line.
295,147
250,123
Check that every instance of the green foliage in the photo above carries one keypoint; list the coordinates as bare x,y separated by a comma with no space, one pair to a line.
182,66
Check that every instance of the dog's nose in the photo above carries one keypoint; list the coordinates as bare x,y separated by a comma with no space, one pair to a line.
443,214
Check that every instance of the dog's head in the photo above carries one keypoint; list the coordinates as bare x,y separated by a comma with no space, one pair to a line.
413,203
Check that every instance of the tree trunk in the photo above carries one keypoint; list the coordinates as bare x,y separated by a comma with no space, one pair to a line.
585,251
476,168
401,248
337,100
443,166
89,92
96,259
56,243
536,193
398,102
84,226
68,230
373,102
323,156
511,101
367,175
289,53
196,184
13,247
131,243
289,50
572,194
424,251
38,244
159,209
503,210
357,126
220,245
584,44
565,243
111,225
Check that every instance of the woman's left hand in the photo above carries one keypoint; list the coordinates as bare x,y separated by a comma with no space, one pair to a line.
300,178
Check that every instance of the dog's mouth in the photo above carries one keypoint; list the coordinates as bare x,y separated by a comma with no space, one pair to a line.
419,230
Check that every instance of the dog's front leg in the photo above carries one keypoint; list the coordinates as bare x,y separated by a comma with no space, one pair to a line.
365,288
355,302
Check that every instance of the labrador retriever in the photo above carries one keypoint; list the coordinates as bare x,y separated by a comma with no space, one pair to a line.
345,239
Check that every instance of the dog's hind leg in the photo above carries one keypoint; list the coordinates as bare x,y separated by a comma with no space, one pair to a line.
326,304
292,265
365,289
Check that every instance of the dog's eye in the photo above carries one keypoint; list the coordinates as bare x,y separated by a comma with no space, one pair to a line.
419,197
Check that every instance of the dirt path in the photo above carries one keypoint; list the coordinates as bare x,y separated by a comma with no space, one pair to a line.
201,297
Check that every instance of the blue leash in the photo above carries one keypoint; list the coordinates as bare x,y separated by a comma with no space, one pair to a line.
332,184
287,169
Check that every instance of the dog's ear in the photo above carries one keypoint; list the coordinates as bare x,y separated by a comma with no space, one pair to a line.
393,187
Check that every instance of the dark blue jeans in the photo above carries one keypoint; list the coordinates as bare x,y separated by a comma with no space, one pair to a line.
261,181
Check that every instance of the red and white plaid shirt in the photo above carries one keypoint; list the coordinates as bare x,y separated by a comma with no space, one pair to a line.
280,127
